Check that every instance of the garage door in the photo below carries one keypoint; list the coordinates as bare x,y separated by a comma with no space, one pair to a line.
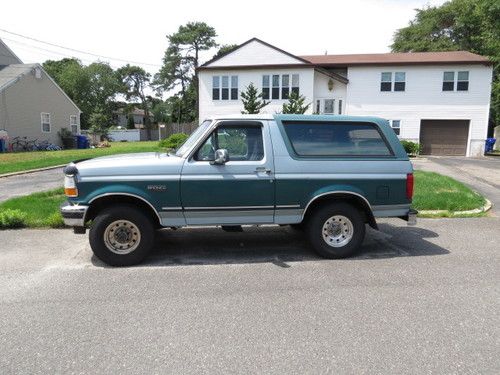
444,137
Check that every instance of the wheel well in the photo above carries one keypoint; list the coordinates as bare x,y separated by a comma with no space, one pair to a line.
352,199
111,200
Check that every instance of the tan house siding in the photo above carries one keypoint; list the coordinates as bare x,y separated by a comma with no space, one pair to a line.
23,102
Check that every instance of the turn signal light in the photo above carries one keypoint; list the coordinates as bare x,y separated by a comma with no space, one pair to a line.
71,192
70,186
409,186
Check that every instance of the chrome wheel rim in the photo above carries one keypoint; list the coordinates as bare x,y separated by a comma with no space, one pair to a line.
337,231
122,237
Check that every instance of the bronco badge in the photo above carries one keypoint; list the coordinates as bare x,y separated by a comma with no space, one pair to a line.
157,187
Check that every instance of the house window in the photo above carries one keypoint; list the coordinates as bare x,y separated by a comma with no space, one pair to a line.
45,122
340,106
399,81
386,81
463,81
234,87
396,126
215,88
285,86
73,124
224,87
329,106
276,87
295,84
265,87
448,81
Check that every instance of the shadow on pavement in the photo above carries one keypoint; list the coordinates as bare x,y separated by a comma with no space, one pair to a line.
276,245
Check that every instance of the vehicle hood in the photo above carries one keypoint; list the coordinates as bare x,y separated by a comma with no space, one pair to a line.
145,164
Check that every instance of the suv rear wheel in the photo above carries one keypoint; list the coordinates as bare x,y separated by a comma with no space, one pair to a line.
336,230
121,235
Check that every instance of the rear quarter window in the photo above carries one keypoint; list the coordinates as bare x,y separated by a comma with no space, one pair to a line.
336,139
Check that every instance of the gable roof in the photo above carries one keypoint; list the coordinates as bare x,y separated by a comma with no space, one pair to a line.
209,64
7,56
10,74
408,58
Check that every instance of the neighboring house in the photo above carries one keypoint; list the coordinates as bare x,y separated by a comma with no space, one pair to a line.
32,105
440,99
121,116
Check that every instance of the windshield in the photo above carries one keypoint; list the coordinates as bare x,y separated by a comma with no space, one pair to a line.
193,138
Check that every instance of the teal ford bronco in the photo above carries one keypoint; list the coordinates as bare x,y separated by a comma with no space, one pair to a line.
326,175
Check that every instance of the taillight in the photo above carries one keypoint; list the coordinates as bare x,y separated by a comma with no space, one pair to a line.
409,186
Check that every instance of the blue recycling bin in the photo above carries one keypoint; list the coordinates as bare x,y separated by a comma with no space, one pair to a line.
3,147
82,142
490,142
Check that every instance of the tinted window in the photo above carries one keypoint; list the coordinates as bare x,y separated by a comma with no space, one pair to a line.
336,139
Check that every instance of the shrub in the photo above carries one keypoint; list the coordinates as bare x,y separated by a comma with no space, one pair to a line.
10,218
174,141
55,220
411,148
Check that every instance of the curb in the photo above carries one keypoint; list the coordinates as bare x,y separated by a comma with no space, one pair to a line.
485,208
31,171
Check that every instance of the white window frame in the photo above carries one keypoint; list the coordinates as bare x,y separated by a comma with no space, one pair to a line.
396,127
75,123
292,78
393,81
229,87
42,122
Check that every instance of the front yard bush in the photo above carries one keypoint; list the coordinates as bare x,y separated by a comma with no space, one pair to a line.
174,141
12,218
411,148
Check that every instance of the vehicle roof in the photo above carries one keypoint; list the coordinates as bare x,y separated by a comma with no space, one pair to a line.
282,117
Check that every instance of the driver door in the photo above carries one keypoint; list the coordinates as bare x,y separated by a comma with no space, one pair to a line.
240,191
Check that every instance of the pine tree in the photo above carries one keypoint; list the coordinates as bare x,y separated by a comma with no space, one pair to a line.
295,104
252,100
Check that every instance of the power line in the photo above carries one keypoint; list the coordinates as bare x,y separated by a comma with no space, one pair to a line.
79,51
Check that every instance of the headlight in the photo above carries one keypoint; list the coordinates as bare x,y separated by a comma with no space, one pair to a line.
70,186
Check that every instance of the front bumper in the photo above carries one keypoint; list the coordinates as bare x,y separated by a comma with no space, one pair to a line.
73,214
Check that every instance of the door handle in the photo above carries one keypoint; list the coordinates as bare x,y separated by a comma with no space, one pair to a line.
263,170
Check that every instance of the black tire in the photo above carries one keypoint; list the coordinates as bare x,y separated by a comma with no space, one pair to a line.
320,217
143,224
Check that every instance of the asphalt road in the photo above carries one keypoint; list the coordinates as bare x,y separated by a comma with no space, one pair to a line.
28,183
422,299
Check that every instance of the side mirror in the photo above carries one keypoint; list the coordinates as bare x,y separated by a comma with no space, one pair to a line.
221,157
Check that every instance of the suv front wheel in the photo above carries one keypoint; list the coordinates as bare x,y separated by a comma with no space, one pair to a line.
121,235
336,230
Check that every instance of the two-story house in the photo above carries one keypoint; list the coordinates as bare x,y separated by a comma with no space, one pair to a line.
440,99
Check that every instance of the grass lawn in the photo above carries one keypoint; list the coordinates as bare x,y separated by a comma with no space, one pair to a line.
34,210
437,192
21,161
432,192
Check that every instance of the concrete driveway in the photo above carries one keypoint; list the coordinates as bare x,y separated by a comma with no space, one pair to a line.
481,174
28,183
422,299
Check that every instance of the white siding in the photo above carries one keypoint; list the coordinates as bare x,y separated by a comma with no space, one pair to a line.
255,53
423,99
322,92
209,107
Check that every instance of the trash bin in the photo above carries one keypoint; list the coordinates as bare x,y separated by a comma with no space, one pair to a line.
3,147
82,142
490,142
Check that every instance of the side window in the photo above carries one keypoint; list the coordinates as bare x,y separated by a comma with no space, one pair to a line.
243,143
336,139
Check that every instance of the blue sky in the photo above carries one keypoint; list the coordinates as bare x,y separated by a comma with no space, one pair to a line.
136,30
